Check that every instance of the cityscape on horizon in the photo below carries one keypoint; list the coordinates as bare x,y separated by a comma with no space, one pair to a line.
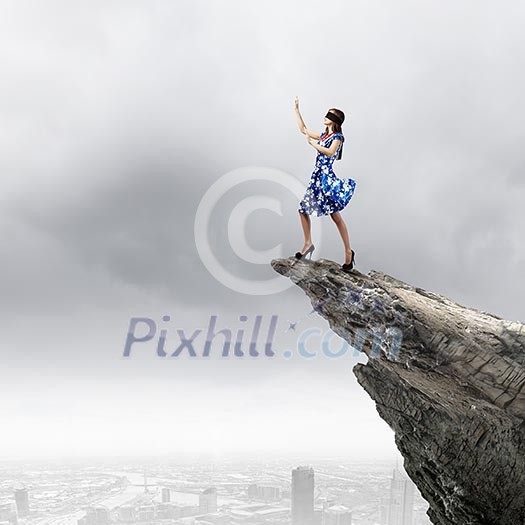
331,493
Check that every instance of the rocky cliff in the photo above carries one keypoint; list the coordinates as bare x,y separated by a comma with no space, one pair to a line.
449,380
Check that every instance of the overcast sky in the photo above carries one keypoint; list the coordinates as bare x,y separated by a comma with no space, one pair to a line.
116,118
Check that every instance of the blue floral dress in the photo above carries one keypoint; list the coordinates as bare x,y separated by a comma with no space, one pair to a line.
326,192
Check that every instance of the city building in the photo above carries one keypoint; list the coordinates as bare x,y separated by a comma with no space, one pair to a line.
22,502
264,492
208,500
146,513
165,495
126,513
401,504
253,490
383,510
95,516
303,496
8,513
337,515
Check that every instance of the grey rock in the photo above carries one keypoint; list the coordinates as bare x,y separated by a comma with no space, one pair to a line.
449,380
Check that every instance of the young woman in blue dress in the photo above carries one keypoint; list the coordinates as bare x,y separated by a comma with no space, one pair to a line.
326,193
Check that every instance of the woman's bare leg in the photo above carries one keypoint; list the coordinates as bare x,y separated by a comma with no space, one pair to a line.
307,230
341,226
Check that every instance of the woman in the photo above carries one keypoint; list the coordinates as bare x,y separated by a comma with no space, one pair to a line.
326,193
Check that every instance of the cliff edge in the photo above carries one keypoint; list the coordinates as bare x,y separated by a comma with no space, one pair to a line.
449,380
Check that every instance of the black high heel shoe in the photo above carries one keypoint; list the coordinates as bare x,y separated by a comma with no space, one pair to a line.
299,255
350,265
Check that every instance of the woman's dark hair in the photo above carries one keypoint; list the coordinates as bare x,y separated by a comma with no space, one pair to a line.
337,127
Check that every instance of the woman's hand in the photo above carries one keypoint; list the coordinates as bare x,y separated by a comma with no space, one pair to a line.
300,122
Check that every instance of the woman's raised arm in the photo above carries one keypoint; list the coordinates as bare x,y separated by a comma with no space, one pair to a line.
300,121
302,126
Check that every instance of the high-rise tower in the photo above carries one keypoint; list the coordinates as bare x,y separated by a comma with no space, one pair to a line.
401,504
303,496
22,502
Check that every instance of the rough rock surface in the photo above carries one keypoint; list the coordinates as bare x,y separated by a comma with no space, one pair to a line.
449,380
